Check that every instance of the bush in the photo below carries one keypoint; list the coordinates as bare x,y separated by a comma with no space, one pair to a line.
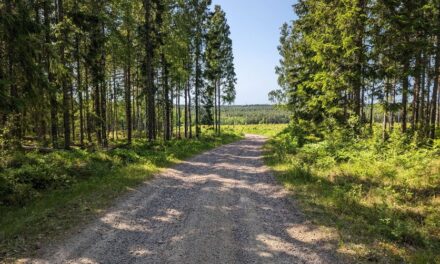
126,156
381,190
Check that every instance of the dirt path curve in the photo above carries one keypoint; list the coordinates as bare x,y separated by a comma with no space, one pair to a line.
223,206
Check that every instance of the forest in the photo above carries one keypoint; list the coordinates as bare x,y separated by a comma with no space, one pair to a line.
254,114
99,99
361,79
80,73
102,93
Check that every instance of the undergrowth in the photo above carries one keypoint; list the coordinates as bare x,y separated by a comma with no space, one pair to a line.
44,196
383,197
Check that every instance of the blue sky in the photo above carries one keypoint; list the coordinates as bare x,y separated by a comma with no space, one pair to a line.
255,31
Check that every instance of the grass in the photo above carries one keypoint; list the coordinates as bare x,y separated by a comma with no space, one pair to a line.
268,130
382,198
94,180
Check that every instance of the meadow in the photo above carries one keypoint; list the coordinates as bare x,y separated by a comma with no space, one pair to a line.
268,130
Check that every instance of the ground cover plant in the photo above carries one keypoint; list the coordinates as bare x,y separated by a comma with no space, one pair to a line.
382,197
43,196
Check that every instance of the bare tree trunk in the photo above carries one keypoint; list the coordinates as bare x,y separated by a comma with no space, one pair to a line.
405,87
72,111
179,116
197,89
65,88
218,109
127,87
79,88
417,88
172,112
167,102
435,89
103,105
385,112
372,111
115,103
189,113
88,117
186,109
392,114
149,72
215,106
52,93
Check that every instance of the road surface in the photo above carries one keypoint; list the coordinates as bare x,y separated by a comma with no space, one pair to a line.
223,206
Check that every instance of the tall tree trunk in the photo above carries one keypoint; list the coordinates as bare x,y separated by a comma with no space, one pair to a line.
52,92
103,101
372,110
80,90
13,89
186,109
172,111
197,86
358,83
416,99
405,87
72,111
149,72
215,106
385,112
392,113
435,89
219,110
128,93
179,115
98,114
65,88
167,101
115,104
189,112
88,117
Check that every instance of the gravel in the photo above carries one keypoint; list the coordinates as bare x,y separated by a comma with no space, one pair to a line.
223,206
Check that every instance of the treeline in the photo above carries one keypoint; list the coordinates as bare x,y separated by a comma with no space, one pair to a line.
254,114
76,72
343,60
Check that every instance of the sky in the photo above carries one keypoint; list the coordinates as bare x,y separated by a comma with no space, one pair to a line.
255,32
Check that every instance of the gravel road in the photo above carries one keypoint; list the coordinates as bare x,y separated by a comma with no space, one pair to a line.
223,206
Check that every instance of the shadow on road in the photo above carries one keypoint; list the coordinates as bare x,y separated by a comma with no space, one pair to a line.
220,207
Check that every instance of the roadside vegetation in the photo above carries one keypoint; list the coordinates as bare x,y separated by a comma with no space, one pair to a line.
362,151
96,96
382,197
268,130
44,196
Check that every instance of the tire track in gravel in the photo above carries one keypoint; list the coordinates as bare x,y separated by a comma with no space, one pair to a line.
223,206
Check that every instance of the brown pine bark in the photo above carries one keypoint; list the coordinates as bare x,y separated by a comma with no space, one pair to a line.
65,88
435,89
405,87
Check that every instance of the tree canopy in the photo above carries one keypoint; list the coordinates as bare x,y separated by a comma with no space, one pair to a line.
77,72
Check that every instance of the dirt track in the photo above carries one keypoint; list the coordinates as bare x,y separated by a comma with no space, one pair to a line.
223,206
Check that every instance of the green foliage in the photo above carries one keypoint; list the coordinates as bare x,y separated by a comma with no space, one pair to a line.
370,190
268,130
254,114
367,59
43,195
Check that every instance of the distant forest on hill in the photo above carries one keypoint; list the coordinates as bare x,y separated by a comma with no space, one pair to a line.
254,114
